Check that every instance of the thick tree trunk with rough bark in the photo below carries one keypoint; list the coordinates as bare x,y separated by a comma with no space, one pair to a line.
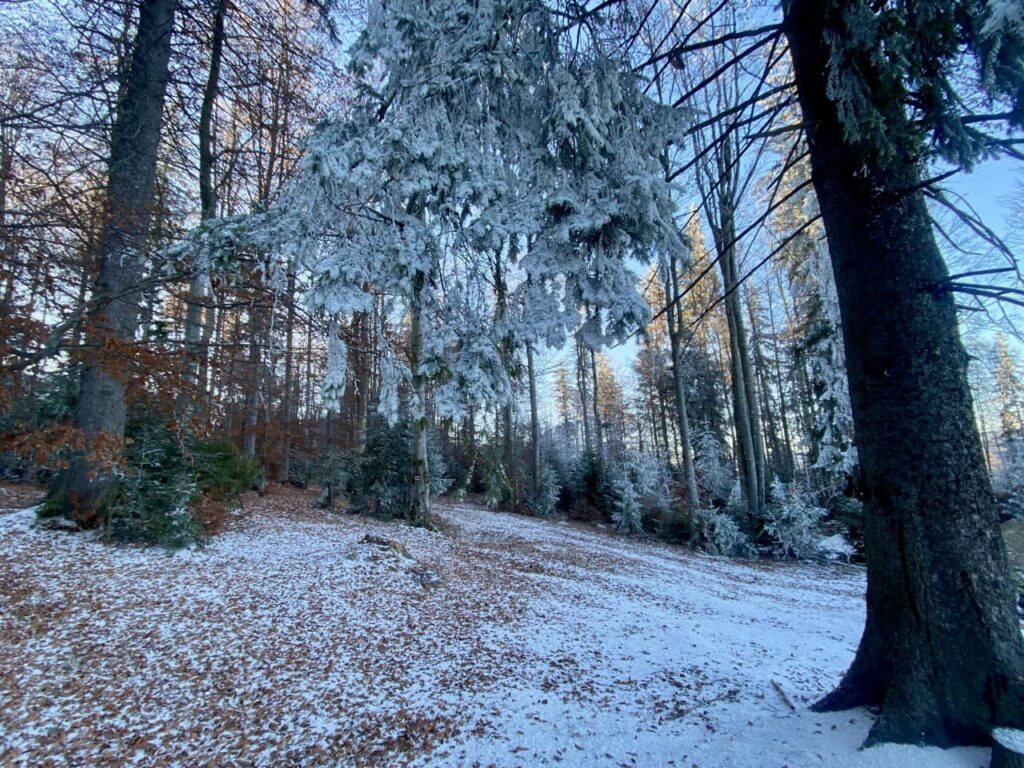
131,183
941,652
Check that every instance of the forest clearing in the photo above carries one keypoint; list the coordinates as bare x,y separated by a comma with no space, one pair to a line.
298,637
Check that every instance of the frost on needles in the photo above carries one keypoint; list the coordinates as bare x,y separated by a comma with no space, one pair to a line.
475,131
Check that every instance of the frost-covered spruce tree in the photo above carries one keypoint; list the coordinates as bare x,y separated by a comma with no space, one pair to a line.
882,88
472,136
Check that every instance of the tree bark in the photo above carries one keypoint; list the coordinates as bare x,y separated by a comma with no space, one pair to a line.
595,403
534,423
581,384
675,332
131,183
255,383
419,503
198,318
941,652
288,396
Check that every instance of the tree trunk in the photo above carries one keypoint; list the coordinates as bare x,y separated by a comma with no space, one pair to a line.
288,396
361,369
534,423
131,183
745,455
941,652
198,318
419,502
581,383
252,400
675,332
595,403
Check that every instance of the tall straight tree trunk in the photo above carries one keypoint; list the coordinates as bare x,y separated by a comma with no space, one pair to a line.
288,396
675,333
718,182
131,184
198,318
581,383
534,423
745,456
763,391
783,410
419,503
595,403
362,372
252,400
941,652
500,316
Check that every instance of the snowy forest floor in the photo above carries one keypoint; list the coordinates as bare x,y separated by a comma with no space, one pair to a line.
501,640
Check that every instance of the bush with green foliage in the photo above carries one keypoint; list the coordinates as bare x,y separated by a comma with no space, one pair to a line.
549,489
221,471
150,502
162,478
381,479
586,490
497,488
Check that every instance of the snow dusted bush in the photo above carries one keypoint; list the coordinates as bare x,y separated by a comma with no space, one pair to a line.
549,488
624,505
497,488
836,547
150,503
652,482
718,533
791,520
712,465
634,489
587,489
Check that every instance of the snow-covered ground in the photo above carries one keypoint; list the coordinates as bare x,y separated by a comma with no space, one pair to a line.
500,641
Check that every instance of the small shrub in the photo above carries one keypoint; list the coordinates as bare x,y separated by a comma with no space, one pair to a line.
791,520
221,471
380,480
586,490
624,504
549,490
712,465
150,502
497,489
716,532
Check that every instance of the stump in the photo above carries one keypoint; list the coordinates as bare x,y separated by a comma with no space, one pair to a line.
1007,748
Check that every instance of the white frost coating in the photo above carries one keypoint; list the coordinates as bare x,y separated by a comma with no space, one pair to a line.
337,369
1011,738
473,140
391,374
1004,16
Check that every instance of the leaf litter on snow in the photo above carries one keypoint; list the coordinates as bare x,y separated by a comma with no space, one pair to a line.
299,637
